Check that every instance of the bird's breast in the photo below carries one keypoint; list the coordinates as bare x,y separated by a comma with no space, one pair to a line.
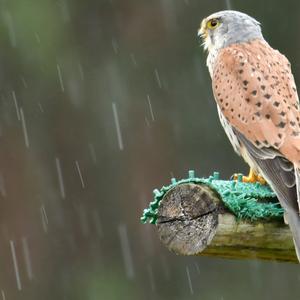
229,132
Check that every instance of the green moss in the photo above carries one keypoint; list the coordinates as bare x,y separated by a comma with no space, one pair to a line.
245,200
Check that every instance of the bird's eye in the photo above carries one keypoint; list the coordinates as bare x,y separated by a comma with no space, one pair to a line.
213,23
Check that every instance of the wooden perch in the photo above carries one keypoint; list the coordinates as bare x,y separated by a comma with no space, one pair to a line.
192,220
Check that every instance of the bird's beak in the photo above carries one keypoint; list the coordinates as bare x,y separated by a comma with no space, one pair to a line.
202,32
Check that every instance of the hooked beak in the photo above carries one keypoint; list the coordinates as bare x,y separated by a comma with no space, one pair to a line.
202,32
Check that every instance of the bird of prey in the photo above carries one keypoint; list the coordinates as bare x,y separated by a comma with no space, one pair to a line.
258,105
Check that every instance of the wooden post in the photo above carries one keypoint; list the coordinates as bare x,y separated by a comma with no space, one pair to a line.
192,220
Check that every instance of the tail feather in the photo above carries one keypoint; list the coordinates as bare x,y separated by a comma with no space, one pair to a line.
297,179
284,178
294,223
294,217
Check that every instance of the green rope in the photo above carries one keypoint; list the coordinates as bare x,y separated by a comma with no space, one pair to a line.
242,199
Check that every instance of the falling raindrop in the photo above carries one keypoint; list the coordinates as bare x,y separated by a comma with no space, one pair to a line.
26,139
44,218
93,153
165,267
27,258
65,11
16,105
80,71
15,263
150,106
3,295
151,277
97,223
2,186
80,174
37,37
157,78
60,78
119,135
189,280
115,45
126,252
197,268
8,20
60,178
132,56
40,107
228,4
24,82
147,122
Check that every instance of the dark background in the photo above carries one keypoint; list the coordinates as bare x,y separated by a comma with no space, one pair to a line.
100,103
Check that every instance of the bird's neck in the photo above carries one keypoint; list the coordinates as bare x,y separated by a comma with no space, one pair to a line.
211,59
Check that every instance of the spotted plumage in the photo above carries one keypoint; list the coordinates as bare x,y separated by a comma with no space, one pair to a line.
265,105
257,103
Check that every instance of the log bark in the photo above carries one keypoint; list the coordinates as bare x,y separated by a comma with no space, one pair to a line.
192,220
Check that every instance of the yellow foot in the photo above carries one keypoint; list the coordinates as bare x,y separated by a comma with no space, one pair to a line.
251,178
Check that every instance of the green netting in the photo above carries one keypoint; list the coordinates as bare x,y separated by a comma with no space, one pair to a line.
246,200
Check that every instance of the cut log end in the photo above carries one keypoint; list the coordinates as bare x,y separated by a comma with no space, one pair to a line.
192,220
188,218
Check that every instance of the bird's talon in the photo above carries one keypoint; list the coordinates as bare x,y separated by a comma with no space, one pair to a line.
236,176
251,178
261,180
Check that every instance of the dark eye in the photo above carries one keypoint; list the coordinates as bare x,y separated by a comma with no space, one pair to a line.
213,23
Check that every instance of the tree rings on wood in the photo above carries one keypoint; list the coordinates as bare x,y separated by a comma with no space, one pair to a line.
188,218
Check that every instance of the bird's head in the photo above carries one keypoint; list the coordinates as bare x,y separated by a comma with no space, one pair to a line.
228,27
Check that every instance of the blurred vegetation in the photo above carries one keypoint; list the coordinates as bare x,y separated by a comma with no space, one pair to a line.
63,65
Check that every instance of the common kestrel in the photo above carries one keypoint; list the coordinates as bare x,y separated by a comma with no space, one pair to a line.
258,105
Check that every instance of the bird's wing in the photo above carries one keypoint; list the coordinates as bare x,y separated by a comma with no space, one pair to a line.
284,179
255,90
277,170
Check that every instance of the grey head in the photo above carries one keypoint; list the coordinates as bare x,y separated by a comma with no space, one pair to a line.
228,27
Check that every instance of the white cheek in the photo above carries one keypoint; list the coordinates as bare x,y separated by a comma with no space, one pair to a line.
208,44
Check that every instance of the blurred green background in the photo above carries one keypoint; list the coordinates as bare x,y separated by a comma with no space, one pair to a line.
101,102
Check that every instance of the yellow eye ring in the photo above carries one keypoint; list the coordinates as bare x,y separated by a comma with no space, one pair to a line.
213,23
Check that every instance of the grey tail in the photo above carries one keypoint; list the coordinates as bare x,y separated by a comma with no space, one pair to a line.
294,217
294,224
284,178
